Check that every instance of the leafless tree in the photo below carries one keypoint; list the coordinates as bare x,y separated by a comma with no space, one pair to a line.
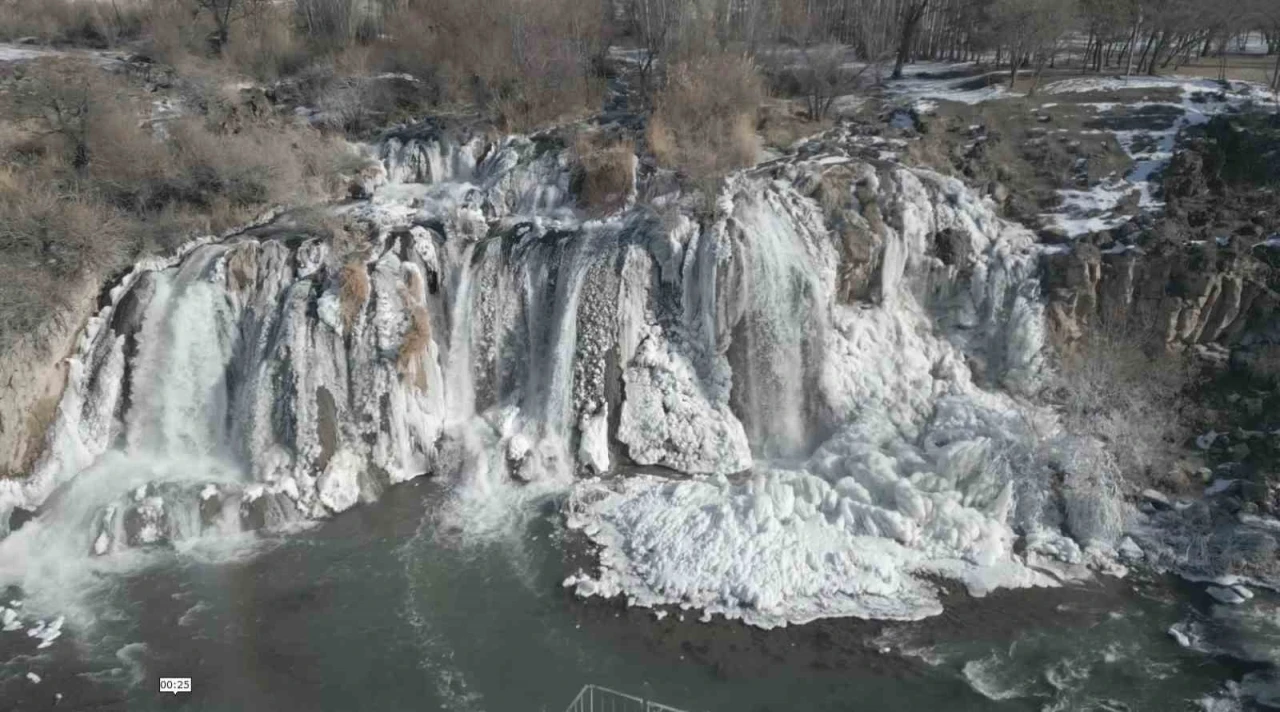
226,13
824,74
912,14
1032,32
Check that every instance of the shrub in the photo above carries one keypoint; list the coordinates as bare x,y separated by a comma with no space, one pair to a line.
704,117
268,48
353,290
605,173
1128,392
1092,500
47,239
416,339
81,22
87,188
64,234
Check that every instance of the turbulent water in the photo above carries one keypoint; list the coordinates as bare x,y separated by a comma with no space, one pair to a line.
748,416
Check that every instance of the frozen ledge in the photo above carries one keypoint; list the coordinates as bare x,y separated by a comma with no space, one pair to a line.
784,548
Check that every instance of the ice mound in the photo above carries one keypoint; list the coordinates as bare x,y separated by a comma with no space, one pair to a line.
790,546
858,531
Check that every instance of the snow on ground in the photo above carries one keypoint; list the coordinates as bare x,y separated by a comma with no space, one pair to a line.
22,53
16,53
1095,210
919,86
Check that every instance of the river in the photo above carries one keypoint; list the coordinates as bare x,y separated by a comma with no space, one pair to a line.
389,607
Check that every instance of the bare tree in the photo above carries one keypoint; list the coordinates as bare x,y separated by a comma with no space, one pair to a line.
224,14
825,74
912,13
58,98
1032,32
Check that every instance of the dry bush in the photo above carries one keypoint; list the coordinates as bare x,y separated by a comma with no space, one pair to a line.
47,238
605,173
64,234
1092,498
414,346
353,290
1130,394
337,23
81,22
268,48
781,125
704,117
265,45
416,339
418,336
527,62
821,75
86,188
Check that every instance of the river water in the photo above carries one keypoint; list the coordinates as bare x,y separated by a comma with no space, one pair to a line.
393,607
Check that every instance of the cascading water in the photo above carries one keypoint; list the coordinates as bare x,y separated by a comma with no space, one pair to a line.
505,342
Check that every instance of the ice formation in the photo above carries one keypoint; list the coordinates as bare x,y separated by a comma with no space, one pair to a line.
839,450
914,480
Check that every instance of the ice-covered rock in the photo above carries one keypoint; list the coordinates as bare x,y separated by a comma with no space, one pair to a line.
339,484
1225,595
1129,550
1159,499
46,633
9,620
919,475
593,451
669,418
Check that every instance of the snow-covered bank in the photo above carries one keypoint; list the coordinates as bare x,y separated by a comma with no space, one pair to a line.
1097,209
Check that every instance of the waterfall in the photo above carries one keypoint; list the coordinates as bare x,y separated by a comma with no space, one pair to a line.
509,343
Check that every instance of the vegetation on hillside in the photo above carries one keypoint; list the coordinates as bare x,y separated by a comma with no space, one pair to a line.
708,78
88,185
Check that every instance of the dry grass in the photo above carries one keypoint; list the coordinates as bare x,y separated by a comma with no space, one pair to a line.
418,336
704,119
605,174
88,23
523,63
63,233
782,123
353,290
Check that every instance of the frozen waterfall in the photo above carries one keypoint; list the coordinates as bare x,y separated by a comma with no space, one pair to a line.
733,434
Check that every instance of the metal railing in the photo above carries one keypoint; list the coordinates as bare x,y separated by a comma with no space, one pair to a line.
594,698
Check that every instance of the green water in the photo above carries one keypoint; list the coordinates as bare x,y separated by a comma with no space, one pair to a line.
386,608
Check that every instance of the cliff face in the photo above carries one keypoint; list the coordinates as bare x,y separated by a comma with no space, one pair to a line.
33,373
1194,295
1206,272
